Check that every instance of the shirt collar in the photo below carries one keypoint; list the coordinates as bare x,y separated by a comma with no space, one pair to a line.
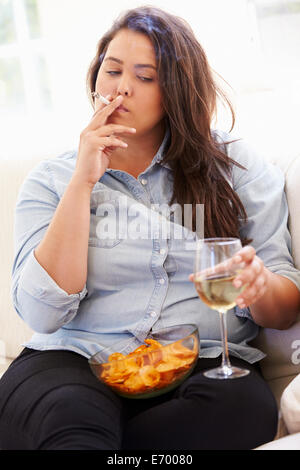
160,153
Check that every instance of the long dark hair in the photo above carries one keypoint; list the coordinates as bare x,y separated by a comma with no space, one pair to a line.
190,94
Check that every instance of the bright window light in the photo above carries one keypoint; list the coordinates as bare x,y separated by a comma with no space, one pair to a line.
46,47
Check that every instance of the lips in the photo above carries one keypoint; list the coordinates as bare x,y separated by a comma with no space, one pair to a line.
122,108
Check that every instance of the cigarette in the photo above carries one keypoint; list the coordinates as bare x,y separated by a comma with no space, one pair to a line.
97,95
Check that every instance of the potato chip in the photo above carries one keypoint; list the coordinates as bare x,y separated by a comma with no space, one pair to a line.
150,376
153,343
134,383
166,372
150,366
138,350
132,365
116,357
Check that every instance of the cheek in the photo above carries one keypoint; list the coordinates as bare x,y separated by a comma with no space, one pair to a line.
153,105
102,83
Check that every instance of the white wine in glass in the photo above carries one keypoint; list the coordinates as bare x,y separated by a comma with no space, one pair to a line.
214,274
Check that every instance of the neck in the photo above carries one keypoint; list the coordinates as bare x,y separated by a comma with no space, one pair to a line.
140,152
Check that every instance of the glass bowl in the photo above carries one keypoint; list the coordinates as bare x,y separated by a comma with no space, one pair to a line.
165,360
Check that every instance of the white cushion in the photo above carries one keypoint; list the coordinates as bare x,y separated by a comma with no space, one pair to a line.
290,405
291,442
13,330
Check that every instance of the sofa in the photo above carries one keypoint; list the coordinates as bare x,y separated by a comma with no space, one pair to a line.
282,347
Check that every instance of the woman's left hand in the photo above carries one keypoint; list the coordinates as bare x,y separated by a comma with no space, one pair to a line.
254,276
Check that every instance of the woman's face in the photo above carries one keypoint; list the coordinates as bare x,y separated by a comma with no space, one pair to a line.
129,69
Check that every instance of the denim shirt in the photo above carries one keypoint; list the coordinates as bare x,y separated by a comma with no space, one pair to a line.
138,284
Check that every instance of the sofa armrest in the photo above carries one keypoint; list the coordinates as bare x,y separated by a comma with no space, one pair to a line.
282,363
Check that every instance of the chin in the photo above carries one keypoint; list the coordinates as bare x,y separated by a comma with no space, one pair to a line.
120,119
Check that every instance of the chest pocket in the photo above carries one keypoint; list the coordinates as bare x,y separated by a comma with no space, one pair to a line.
105,223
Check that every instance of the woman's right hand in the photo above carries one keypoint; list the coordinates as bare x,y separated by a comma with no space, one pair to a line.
97,143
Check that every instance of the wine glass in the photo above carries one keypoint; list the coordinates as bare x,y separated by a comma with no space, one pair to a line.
215,272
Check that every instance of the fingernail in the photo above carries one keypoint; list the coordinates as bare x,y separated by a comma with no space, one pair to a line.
237,283
133,129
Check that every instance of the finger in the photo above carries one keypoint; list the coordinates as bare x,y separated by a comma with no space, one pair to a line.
112,142
244,303
99,99
249,273
225,268
246,254
101,115
99,105
249,294
114,129
252,292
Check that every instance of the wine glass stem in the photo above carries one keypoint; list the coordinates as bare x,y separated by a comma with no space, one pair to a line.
225,355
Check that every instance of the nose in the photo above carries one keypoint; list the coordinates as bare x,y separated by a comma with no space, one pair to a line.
124,86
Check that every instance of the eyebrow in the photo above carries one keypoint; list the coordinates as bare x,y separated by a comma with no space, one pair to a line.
138,66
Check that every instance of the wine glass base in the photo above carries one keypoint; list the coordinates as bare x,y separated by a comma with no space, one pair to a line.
226,372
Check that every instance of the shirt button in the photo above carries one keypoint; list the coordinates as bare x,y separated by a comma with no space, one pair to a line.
162,251
161,281
144,181
152,314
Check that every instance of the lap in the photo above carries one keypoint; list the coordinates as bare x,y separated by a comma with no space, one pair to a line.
51,390
55,389
206,413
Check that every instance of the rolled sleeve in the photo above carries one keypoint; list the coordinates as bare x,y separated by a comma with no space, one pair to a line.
36,282
41,302
288,271
38,300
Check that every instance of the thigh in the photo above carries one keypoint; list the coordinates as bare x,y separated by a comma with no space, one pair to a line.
51,400
208,414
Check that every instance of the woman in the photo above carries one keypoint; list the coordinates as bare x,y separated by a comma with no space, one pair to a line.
83,285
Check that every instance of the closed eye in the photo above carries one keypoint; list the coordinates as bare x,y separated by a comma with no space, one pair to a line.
144,79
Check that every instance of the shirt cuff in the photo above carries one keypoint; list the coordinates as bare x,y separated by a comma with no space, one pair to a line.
35,280
243,312
288,271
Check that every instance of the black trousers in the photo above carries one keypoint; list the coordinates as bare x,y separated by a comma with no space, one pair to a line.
51,400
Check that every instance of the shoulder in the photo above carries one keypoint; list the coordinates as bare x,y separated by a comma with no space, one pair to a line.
237,148
254,164
63,163
54,173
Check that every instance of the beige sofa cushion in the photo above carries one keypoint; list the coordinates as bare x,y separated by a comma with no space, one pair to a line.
13,331
282,363
292,176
